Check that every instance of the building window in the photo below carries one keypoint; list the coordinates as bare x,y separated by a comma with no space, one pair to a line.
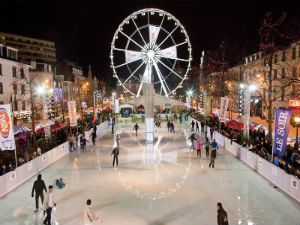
23,105
283,73
22,73
283,56
294,72
23,89
294,53
275,74
282,93
275,59
1,88
1,69
15,89
294,90
14,71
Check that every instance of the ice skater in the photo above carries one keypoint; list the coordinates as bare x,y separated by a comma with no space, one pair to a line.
136,127
207,145
191,139
197,127
94,135
83,142
49,204
172,127
213,154
115,154
193,125
211,133
89,214
222,215
198,147
38,187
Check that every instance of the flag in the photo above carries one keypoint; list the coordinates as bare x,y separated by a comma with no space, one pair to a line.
153,34
72,113
7,138
282,125
169,52
223,109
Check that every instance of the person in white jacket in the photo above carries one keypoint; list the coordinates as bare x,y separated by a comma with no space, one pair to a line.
89,215
49,204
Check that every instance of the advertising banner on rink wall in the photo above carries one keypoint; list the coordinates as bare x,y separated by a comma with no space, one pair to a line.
223,109
207,105
282,125
7,138
72,113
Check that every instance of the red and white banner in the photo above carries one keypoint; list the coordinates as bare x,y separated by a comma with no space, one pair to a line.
169,52
153,32
223,109
132,56
72,113
7,137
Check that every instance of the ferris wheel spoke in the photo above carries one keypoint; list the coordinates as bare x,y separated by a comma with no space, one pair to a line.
161,78
173,46
140,88
168,36
170,69
132,40
175,58
132,74
139,31
133,60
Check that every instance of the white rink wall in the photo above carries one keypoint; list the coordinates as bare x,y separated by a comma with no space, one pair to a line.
13,179
286,182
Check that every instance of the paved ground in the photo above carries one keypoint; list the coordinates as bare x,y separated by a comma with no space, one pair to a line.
154,185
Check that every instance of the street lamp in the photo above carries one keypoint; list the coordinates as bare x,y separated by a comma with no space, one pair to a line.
297,123
190,94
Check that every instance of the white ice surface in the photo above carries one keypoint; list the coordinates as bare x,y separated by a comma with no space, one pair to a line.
155,185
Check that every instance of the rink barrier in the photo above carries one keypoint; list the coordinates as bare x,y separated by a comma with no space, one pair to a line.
13,179
278,177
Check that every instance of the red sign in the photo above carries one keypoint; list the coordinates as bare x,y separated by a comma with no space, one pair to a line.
294,103
4,123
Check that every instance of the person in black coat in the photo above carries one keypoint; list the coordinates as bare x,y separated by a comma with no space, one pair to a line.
38,187
115,154
222,215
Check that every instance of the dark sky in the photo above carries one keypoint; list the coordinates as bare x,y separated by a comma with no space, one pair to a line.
83,30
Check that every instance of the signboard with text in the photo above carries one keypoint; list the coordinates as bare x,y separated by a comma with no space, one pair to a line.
7,138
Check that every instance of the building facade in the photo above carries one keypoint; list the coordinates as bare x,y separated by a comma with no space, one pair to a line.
14,82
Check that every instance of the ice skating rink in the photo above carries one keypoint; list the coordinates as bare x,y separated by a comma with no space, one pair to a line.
159,184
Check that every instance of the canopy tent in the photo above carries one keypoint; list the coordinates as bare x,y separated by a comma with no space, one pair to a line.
233,124
107,109
140,107
20,129
213,115
54,127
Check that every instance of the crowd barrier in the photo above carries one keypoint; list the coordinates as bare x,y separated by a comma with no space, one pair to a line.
13,179
286,182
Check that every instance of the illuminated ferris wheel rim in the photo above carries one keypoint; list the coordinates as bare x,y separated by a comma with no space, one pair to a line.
150,53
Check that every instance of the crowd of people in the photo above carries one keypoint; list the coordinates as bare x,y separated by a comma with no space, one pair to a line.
258,143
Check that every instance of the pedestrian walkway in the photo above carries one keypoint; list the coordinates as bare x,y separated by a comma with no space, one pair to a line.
163,183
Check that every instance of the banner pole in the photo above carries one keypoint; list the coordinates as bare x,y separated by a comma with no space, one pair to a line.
16,157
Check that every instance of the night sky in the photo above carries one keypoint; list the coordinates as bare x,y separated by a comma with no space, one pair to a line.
83,30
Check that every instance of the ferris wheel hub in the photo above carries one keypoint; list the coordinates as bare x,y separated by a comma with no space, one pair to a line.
150,54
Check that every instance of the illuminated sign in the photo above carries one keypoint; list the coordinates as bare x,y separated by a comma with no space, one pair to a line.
295,103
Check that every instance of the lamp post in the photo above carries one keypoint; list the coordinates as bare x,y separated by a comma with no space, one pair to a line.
190,94
297,122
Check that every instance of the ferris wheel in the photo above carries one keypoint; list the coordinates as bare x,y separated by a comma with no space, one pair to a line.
151,45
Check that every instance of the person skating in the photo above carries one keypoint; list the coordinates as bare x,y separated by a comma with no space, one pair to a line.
193,125
191,139
211,133
93,134
169,126
49,204
202,127
136,127
38,187
207,145
83,143
115,154
172,128
198,147
89,215
213,154
197,127
222,215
